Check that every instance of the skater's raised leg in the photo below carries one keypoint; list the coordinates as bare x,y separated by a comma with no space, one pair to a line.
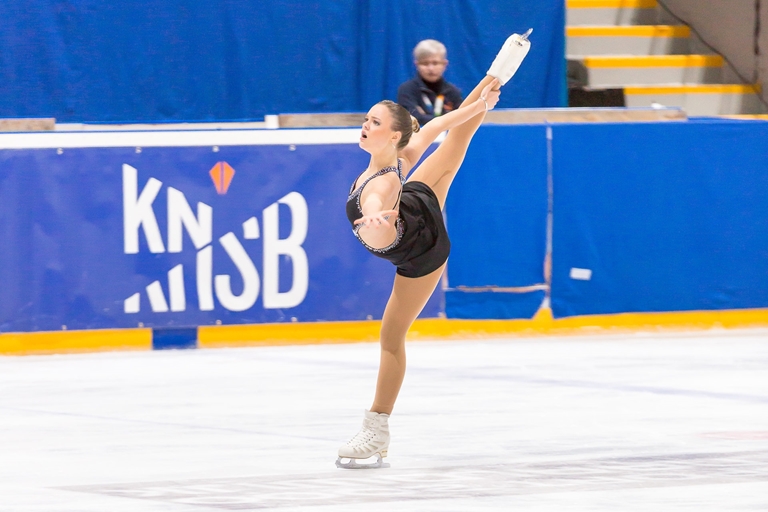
439,169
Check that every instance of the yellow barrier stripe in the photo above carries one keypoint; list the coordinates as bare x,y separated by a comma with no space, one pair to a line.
611,4
678,31
57,342
430,329
633,322
287,334
693,89
656,61
368,331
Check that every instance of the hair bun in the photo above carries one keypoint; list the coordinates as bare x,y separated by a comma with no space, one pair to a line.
415,124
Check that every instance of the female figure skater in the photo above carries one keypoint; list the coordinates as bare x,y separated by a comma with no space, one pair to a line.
401,220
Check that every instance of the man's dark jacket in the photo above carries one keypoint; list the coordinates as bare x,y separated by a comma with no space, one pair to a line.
419,99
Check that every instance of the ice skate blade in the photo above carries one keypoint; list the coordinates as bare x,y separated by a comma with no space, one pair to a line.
353,464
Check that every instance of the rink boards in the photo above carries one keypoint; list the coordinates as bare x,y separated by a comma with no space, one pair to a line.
138,240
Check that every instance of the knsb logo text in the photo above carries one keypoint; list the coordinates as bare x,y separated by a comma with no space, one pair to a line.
138,214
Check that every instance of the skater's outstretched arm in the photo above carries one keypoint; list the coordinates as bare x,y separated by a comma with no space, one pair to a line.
421,140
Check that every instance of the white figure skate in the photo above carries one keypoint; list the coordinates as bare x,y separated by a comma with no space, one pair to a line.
509,58
372,440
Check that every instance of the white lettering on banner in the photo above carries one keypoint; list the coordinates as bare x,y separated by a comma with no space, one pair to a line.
291,246
251,229
176,287
247,269
200,228
137,212
156,298
205,279
133,303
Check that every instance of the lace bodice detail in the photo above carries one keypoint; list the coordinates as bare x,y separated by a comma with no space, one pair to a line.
356,193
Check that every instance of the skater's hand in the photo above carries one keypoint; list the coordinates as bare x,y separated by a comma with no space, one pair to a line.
491,93
377,220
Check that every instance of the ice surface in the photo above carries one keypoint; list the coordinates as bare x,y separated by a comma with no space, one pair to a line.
643,422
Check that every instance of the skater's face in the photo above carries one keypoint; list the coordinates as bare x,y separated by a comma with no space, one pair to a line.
431,67
377,131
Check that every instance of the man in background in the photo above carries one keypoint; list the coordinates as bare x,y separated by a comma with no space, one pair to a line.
429,95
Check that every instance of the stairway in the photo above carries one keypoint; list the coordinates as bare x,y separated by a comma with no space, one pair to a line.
634,47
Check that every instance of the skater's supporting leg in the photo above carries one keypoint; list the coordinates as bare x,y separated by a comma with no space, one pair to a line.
408,298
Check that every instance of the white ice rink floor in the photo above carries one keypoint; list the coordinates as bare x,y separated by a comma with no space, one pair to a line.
646,422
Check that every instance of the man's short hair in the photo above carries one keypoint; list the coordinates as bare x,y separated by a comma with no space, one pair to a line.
429,47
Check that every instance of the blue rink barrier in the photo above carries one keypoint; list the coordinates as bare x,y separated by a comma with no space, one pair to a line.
497,219
106,237
215,229
474,304
660,217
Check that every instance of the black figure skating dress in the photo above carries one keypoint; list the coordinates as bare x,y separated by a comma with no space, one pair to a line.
422,244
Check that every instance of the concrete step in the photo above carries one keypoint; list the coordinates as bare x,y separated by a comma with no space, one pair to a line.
653,70
625,40
612,12
698,100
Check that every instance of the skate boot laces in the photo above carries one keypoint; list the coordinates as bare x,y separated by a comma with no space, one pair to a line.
373,435
372,440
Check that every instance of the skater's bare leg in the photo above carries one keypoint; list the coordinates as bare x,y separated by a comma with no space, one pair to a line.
439,169
408,298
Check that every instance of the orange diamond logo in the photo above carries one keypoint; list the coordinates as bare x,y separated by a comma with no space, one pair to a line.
222,174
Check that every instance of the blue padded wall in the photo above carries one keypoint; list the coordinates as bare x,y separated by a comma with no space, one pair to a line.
203,60
492,305
473,32
668,217
497,218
